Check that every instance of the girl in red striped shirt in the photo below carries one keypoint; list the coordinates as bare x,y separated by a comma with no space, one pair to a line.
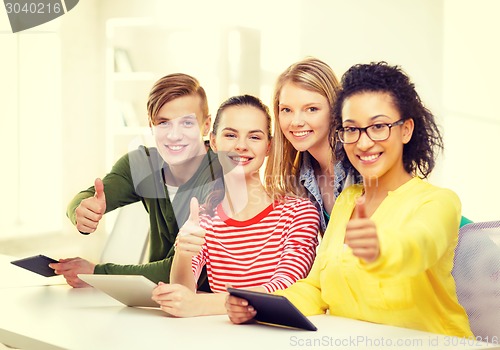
246,237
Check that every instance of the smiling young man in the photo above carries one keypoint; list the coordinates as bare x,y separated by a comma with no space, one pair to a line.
164,179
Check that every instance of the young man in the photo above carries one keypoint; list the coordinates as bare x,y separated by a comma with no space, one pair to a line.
164,179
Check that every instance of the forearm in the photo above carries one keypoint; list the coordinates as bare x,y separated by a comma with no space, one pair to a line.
306,294
419,242
181,272
155,271
211,304
258,289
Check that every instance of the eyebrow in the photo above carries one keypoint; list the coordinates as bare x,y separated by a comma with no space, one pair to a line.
372,118
187,116
305,105
250,132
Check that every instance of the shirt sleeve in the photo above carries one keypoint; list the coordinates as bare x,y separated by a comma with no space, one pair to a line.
299,248
305,294
421,241
156,271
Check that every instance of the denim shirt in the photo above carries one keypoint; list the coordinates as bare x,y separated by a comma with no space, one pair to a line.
308,180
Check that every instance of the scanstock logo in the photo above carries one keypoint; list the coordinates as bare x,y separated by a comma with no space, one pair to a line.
25,14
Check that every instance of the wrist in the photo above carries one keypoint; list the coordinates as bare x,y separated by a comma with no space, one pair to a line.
211,304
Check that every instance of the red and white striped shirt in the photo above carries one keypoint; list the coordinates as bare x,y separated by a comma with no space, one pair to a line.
273,249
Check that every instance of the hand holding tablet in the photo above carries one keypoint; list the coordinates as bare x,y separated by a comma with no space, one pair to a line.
274,309
38,264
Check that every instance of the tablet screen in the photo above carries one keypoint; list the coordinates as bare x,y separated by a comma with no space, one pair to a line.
38,264
274,309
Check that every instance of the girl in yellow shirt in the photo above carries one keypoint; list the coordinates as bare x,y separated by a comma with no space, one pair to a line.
388,250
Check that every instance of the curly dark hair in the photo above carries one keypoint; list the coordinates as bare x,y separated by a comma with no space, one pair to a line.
419,154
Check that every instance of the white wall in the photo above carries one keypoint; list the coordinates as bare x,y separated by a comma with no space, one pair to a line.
451,50
9,125
471,89
30,129
280,43
82,64
448,47
401,32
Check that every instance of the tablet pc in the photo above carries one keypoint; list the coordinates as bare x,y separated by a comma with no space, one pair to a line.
131,290
38,264
274,309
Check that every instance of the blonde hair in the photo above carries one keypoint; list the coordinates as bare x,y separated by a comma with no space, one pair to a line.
173,86
283,164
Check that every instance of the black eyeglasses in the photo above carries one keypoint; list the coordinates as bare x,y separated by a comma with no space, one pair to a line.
376,132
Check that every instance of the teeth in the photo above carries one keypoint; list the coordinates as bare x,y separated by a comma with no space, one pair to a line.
175,148
370,157
300,133
240,159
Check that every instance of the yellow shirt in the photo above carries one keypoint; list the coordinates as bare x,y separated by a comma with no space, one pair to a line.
410,284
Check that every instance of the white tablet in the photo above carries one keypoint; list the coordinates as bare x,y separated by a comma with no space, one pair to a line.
131,290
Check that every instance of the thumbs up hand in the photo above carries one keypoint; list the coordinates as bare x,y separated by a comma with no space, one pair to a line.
194,212
99,192
91,210
191,236
361,234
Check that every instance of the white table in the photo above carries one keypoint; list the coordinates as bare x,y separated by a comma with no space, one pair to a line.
60,317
